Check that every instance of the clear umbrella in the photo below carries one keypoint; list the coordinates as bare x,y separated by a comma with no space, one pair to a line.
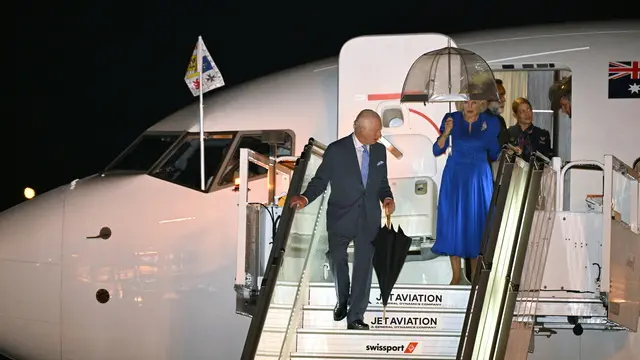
449,75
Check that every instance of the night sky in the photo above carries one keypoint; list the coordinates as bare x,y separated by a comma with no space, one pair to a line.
86,78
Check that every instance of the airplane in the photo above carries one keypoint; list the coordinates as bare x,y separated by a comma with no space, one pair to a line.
138,262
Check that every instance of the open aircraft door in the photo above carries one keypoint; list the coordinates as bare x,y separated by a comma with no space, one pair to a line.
371,73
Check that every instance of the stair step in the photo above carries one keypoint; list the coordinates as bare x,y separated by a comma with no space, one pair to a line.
418,295
397,318
338,356
445,296
267,355
381,342
271,340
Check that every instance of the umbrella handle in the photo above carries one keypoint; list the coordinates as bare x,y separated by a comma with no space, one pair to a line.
388,220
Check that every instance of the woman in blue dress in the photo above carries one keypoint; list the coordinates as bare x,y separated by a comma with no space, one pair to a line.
467,183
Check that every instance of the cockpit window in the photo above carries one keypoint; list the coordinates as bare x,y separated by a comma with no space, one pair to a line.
144,153
183,166
255,143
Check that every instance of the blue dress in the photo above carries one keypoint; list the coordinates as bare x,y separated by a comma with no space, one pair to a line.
467,185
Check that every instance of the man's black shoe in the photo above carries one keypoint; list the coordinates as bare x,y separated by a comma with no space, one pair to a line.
358,325
340,312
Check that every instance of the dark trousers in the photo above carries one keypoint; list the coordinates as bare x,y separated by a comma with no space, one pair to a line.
362,271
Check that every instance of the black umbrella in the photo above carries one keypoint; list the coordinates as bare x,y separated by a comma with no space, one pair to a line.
391,249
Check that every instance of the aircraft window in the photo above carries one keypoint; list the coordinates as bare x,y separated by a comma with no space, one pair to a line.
255,143
144,153
183,166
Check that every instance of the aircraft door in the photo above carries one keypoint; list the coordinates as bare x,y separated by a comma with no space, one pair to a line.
371,74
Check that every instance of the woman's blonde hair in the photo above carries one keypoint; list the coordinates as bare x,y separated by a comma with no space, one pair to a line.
517,102
482,105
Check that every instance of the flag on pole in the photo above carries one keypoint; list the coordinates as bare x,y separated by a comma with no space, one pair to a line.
202,75
211,76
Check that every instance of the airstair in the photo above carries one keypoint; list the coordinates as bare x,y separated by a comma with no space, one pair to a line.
290,296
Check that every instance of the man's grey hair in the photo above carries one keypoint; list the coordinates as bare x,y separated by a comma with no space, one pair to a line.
364,117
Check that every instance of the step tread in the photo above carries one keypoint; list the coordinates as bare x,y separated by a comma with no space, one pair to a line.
396,287
376,332
394,309
365,356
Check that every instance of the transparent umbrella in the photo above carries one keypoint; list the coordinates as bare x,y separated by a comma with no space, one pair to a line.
449,75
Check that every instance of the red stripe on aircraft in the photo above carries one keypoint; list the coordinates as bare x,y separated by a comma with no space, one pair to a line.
424,116
380,97
396,96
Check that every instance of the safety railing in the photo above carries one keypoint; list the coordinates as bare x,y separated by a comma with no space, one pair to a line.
284,273
621,242
507,250
529,265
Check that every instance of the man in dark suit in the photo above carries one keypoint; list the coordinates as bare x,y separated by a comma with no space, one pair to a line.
356,168
496,108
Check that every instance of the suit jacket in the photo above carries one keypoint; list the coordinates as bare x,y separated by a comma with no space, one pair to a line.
503,135
350,199
530,140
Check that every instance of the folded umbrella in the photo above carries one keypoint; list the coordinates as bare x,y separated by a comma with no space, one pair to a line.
390,254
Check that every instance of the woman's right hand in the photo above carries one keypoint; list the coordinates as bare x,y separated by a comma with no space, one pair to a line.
514,150
448,126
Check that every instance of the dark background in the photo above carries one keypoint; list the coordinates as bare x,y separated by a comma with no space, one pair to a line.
84,79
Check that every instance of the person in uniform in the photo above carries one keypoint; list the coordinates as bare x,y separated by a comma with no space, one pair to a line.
526,137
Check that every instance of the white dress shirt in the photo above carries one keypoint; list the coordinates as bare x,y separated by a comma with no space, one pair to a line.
359,150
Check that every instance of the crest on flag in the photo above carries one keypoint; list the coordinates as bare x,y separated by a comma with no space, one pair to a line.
211,76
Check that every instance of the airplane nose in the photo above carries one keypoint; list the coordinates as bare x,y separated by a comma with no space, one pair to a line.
32,230
30,277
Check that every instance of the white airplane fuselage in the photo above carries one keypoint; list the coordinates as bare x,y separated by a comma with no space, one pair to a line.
170,261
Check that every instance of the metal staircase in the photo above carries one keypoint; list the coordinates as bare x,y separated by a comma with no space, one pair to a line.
422,321
292,316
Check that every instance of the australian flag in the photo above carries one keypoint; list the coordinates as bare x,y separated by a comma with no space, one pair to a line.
624,79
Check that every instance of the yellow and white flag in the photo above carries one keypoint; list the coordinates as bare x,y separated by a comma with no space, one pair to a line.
211,76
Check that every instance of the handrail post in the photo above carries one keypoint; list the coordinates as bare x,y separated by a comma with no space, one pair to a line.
607,205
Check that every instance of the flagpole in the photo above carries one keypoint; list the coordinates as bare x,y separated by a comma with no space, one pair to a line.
194,78
202,184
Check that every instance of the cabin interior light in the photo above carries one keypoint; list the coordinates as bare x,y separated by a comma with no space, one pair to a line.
396,122
391,115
